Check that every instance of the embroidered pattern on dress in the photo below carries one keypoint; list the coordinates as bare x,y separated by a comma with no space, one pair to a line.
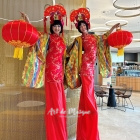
89,44
54,68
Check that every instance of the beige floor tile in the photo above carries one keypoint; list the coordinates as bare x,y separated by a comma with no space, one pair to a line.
118,125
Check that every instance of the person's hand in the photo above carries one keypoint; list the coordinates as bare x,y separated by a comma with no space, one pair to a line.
113,27
117,25
24,16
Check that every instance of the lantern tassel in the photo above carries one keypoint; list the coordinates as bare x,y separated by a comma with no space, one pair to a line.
16,50
18,53
120,52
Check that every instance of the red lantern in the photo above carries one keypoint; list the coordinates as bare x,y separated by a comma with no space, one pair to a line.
120,39
20,34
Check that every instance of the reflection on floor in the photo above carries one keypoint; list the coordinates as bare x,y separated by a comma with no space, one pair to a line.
22,113
30,103
22,116
118,125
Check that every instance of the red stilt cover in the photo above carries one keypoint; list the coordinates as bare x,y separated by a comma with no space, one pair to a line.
87,127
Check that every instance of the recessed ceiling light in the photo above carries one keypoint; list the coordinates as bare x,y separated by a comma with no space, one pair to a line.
113,22
125,8
99,29
136,40
106,12
119,13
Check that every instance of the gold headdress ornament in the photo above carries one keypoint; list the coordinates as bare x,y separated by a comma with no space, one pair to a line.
55,12
80,14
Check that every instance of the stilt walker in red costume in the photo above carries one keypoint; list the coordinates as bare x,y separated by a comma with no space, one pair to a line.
92,45
55,113
49,65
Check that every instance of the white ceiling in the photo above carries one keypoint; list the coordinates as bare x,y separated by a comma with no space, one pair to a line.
101,12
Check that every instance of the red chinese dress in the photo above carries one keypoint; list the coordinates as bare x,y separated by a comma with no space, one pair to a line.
55,113
87,127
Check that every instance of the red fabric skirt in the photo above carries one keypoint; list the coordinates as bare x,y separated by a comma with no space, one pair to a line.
55,113
87,126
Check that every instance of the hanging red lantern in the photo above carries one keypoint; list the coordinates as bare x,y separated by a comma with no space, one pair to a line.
120,39
19,34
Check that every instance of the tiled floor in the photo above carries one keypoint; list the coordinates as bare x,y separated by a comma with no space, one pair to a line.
113,124
118,125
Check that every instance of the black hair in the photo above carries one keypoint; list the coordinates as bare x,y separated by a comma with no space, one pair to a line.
56,22
79,24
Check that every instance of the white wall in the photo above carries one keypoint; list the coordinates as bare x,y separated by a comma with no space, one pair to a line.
116,58
138,57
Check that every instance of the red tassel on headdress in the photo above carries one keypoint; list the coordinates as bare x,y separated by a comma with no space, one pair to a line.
62,34
66,21
89,25
45,30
